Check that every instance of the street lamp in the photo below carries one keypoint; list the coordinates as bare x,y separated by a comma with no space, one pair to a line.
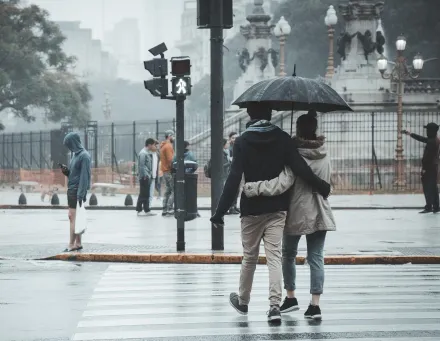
282,30
400,72
330,21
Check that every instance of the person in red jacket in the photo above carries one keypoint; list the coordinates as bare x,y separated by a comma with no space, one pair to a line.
166,160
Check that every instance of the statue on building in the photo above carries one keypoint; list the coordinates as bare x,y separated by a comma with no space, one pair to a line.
367,42
344,40
244,59
262,55
273,56
380,42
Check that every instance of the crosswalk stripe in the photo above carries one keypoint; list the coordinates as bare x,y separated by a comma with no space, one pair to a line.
190,302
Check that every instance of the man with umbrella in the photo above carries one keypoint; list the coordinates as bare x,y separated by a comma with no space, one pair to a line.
261,153
429,166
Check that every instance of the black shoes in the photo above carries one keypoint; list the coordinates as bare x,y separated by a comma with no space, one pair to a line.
289,304
313,312
425,211
235,303
274,314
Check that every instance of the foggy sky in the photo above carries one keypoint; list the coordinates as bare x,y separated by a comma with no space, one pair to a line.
159,20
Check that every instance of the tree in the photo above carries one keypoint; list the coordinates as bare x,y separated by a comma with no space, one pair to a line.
33,68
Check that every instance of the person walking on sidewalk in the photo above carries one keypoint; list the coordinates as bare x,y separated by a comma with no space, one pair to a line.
232,137
261,153
309,214
153,175
79,178
144,174
429,166
166,160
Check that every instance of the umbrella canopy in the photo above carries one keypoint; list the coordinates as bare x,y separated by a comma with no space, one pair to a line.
293,93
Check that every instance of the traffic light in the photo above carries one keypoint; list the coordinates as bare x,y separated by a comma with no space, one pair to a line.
181,70
158,67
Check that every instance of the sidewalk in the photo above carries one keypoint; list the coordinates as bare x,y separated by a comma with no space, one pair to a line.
378,201
38,234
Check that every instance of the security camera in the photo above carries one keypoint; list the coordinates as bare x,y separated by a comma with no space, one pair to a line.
158,50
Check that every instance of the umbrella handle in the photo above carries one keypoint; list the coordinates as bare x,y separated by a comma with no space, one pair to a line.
294,71
291,123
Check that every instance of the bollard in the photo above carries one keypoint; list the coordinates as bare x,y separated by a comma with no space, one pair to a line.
93,201
22,199
55,201
128,200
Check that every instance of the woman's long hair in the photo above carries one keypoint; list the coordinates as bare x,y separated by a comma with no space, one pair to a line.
306,126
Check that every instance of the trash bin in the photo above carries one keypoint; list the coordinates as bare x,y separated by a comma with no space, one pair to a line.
190,189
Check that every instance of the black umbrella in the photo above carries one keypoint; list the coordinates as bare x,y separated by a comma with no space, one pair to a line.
293,93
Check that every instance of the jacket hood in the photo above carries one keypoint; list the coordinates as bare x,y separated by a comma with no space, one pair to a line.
312,149
73,142
260,132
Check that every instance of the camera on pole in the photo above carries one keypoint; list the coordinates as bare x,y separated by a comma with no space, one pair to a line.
158,68
181,70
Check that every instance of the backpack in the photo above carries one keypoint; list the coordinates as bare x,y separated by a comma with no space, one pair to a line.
207,169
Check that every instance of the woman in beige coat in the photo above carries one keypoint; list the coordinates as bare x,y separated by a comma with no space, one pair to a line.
309,214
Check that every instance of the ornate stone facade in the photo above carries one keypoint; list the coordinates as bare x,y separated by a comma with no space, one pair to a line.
257,60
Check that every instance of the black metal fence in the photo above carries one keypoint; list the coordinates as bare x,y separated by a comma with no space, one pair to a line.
361,146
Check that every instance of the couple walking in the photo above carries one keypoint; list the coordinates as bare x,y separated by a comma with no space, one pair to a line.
284,197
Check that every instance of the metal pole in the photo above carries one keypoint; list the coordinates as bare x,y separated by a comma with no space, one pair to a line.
180,175
31,150
41,151
12,150
372,155
112,156
157,130
21,150
134,154
330,62
400,176
282,44
217,233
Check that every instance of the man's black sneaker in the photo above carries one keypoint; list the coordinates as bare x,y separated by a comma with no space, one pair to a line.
274,314
235,303
425,211
313,312
289,304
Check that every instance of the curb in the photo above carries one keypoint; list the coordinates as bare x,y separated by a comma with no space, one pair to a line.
188,258
132,208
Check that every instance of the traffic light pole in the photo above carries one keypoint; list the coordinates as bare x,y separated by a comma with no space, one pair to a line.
180,174
217,109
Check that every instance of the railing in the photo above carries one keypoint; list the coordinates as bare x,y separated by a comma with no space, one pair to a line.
361,146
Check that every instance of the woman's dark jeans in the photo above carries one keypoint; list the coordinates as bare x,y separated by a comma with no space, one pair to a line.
315,258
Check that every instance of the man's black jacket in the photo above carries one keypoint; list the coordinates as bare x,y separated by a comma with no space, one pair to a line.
431,152
262,155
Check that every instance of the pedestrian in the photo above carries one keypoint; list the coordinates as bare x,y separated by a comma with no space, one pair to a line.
309,214
166,160
144,176
261,153
429,171
153,175
232,136
226,161
79,178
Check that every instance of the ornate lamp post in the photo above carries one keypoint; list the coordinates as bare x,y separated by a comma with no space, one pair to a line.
330,21
282,30
400,72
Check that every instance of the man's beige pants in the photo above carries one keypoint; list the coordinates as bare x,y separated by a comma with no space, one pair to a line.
269,228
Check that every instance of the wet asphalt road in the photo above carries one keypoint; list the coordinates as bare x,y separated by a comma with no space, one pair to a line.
44,300
166,302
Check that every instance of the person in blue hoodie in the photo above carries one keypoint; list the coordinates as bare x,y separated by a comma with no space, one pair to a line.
79,174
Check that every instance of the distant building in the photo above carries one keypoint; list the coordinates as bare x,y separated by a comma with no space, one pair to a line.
92,63
124,43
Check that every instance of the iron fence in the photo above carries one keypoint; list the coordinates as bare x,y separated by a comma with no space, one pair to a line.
361,146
